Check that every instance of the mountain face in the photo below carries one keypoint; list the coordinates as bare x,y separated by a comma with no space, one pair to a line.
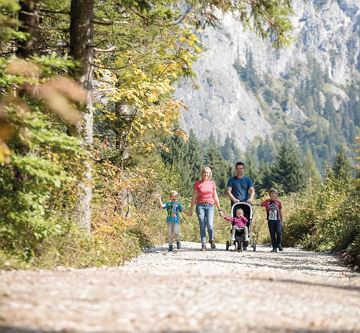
309,91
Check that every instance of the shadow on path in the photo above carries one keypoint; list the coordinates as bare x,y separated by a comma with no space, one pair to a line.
289,266
8,329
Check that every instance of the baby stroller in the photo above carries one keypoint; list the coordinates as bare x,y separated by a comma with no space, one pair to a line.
239,242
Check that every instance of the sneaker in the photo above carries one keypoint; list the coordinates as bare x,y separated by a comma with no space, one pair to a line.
274,250
203,247
178,245
280,248
170,248
212,242
233,239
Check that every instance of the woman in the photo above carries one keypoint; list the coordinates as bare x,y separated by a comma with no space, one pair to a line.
205,196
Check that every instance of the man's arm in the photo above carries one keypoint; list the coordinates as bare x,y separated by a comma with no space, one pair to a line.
251,192
230,195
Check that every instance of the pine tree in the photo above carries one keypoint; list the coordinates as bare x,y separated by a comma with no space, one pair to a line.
251,169
227,150
178,156
311,171
194,155
265,175
218,165
287,169
342,167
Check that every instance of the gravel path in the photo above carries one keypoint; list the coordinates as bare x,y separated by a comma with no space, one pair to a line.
187,291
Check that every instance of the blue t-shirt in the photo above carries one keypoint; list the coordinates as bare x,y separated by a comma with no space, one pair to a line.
240,187
173,208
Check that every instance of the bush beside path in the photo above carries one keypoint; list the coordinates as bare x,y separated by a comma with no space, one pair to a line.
187,291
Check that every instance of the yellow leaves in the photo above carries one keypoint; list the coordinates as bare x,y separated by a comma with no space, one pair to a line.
193,40
182,134
153,97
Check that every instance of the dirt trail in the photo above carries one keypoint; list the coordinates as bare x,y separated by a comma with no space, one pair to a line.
187,291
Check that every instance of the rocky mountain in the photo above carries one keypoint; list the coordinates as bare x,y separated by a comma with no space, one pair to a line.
309,90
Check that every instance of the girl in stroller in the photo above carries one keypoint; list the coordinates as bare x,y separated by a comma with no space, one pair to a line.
243,236
238,222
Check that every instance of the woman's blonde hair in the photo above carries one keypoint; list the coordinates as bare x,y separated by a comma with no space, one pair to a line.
206,168
174,193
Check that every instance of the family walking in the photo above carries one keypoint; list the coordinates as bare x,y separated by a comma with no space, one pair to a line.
239,188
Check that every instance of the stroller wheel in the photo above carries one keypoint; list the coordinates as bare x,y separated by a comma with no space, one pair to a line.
236,246
254,246
227,245
241,247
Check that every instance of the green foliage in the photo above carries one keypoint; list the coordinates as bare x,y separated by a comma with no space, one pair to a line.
342,167
325,217
287,170
38,178
8,22
219,167
189,156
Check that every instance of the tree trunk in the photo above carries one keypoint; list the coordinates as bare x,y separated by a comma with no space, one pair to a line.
29,18
81,49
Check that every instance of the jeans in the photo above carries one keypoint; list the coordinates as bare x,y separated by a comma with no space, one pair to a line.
205,215
275,229
173,230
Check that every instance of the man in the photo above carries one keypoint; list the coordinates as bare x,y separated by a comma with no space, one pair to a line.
240,188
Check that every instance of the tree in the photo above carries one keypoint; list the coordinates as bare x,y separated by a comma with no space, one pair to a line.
342,167
265,175
227,149
81,49
311,171
194,155
30,20
287,169
251,169
219,167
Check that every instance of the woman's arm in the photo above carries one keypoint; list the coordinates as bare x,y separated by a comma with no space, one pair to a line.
216,198
193,200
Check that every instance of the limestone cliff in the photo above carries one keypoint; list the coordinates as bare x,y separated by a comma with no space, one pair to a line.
247,88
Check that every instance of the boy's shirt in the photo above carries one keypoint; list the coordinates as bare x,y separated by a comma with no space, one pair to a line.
272,209
173,208
239,222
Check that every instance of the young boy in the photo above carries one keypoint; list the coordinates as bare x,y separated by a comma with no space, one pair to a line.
239,222
173,219
275,217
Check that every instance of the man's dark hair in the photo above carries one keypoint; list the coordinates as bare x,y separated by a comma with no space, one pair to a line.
240,163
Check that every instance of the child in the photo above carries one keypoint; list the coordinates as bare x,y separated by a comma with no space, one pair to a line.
173,219
274,216
239,222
